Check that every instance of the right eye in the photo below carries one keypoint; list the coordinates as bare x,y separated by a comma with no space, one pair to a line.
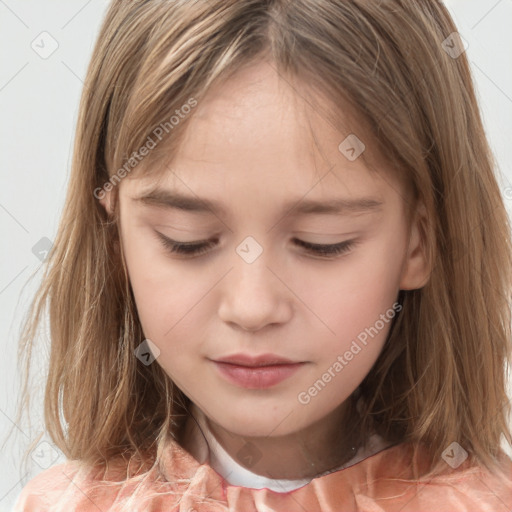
186,248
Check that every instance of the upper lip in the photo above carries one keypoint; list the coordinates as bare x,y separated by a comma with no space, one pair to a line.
261,360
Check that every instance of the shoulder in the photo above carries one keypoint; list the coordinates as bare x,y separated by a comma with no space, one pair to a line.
465,487
39,492
474,488
73,486
479,486
63,487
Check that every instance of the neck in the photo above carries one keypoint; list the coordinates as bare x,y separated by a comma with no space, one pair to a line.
319,448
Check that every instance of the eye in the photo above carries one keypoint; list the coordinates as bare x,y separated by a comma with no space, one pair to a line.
186,248
327,250
197,248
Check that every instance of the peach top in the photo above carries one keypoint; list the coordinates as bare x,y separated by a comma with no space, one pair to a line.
381,482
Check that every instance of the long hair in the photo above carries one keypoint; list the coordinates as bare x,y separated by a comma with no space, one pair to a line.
391,65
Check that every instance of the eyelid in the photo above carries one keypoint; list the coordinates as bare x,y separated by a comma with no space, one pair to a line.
215,239
196,248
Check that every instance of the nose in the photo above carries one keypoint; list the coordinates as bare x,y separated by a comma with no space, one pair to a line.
254,295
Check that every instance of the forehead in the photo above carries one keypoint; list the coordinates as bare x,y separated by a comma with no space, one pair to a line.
255,135
259,113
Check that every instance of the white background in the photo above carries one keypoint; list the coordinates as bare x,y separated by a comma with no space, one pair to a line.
39,104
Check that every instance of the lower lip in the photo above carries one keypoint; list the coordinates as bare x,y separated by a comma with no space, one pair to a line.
256,377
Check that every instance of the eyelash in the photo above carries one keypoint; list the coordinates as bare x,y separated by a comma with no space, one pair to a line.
196,249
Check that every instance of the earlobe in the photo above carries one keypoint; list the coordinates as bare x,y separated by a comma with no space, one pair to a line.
416,270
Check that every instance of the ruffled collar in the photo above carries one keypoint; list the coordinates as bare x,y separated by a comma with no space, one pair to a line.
381,482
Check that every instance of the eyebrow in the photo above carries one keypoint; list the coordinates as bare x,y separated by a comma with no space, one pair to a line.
175,200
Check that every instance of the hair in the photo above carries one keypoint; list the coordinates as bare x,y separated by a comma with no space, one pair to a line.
441,376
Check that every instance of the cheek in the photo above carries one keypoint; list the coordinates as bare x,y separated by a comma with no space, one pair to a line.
357,291
359,310
165,293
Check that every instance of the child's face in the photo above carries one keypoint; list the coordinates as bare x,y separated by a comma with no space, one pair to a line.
250,150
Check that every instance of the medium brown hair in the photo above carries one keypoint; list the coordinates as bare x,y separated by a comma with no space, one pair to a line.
441,375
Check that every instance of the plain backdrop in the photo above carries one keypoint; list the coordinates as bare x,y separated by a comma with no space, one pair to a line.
39,96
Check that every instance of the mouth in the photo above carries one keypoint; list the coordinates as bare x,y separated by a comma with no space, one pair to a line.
260,376
249,361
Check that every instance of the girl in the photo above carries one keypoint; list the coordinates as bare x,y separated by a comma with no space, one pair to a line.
282,276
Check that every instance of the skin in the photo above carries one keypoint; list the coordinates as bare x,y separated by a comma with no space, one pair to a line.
249,146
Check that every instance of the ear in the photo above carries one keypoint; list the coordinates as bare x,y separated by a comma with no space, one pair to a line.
106,202
416,270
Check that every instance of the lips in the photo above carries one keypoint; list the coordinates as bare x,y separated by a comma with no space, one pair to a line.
255,361
256,372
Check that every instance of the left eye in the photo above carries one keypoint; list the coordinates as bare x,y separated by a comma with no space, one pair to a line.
198,248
